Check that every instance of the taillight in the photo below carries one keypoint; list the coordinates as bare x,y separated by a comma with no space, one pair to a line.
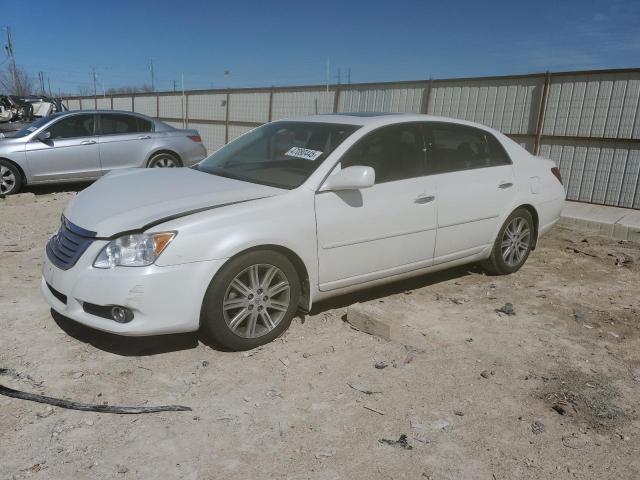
556,173
195,138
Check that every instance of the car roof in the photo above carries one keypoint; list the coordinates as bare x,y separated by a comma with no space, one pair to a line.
72,112
381,118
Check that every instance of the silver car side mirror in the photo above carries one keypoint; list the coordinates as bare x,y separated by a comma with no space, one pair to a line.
350,178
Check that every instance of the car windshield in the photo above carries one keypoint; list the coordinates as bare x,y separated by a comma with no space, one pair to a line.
32,127
280,154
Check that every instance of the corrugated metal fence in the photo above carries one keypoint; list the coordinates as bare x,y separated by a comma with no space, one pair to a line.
588,121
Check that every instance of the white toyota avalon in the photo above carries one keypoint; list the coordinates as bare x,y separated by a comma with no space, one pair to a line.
291,213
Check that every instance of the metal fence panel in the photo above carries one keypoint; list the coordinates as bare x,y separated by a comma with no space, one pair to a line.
88,104
509,105
249,107
206,106
123,103
212,135
630,115
598,172
73,104
171,106
174,124
594,105
146,105
104,103
306,102
630,194
386,99
236,130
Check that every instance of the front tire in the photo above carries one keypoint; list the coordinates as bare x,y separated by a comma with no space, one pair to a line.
251,301
513,244
10,178
164,160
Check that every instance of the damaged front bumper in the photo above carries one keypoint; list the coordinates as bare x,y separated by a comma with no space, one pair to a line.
162,299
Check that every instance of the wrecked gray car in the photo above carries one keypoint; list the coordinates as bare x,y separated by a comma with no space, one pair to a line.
16,112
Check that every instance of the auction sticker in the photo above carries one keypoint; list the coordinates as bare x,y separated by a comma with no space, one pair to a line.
305,153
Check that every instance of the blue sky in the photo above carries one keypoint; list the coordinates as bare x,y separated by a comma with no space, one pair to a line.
263,43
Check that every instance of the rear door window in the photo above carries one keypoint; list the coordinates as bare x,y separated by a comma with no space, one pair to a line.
120,124
452,148
73,126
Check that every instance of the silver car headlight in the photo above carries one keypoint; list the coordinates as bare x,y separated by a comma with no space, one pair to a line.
137,250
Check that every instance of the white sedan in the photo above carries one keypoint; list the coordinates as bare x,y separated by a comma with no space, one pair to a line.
291,213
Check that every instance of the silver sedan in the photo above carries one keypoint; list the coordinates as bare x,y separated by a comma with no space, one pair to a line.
84,145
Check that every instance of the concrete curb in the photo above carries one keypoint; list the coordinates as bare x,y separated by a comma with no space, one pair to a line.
612,222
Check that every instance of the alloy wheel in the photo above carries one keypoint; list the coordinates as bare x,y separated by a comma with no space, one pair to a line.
516,241
256,301
164,161
7,180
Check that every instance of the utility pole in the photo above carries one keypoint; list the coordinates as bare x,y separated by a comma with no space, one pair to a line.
339,76
49,83
174,85
41,81
95,91
153,86
328,73
12,62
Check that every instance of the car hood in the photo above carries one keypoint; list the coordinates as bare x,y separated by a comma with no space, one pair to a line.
134,198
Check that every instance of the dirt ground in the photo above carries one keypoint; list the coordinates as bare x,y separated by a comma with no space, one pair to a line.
550,392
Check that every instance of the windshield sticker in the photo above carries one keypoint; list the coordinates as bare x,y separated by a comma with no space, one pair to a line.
305,153
31,129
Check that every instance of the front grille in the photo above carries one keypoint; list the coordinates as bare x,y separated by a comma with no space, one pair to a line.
59,295
67,246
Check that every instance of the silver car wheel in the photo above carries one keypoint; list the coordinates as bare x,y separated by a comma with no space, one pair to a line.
164,161
516,241
256,301
7,180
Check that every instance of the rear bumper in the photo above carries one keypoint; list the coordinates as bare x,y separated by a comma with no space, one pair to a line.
549,214
195,154
163,299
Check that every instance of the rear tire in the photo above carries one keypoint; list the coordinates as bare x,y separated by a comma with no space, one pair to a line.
251,300
10,178
513,244
164,160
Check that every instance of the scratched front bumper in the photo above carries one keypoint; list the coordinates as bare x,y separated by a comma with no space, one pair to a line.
163,299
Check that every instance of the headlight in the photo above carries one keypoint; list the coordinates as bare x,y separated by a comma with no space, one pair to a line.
137,250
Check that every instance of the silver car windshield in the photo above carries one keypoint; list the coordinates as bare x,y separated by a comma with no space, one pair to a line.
280,154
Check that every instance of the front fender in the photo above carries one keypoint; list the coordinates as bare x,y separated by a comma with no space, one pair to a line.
287,221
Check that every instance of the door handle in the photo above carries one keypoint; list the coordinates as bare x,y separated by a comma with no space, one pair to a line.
87,142
505,185
424,199
144,137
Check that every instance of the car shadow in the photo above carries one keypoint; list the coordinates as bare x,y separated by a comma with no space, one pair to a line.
159,344
126,346
379,292
56,188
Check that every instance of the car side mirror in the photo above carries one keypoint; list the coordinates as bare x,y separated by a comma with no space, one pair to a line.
350,178
44,136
